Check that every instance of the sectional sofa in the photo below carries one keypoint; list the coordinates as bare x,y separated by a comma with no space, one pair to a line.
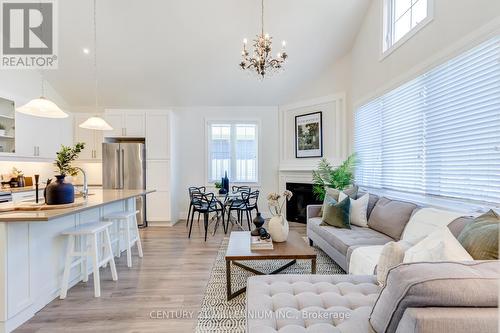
423,297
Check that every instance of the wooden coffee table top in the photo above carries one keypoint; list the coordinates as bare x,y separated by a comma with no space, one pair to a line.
294,248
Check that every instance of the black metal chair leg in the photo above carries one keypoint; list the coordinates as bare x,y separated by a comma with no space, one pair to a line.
198,218
191,225
205,215
248,221
224,225
189,214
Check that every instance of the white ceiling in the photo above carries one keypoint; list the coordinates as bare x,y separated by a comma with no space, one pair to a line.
160,53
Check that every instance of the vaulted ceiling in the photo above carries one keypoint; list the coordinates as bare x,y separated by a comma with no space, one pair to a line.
160,53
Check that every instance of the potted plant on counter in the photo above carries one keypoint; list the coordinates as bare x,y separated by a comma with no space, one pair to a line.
61,192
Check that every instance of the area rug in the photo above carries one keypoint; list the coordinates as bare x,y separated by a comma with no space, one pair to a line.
217,315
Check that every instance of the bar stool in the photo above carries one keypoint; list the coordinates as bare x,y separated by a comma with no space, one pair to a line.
82,232
125,222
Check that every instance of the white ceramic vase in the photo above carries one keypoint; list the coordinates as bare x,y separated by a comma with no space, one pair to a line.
278,228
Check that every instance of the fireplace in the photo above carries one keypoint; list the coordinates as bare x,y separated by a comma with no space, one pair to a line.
302,196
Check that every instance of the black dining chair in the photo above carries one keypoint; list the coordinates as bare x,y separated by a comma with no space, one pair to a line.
205,203
237,203
251,203
191,191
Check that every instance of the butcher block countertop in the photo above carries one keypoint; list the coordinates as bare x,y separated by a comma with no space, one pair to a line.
97,197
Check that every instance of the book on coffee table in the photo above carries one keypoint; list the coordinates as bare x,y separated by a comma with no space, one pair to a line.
261,244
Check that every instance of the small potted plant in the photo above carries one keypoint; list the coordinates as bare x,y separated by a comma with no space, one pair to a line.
2,129
61,192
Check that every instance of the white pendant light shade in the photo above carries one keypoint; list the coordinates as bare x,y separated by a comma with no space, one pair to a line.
42,107
96,123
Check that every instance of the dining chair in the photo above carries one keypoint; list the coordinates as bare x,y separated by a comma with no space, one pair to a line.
205,203
251,203
192,190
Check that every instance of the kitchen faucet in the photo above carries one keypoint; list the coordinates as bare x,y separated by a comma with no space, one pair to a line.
85,190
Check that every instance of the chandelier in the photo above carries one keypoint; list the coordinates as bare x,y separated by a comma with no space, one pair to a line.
262,62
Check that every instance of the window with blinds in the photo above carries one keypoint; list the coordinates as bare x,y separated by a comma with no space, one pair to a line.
438,134
233,148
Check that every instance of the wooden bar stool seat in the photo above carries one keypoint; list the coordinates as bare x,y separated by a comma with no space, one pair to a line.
126,222
83,233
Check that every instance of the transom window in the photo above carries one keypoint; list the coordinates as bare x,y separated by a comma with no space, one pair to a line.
233,148
403,17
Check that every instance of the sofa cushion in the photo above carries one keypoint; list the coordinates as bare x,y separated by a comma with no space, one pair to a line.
364,259
425,221
371,202
392,254
358,210
439,284
336,214
342,239
457,225
390,217
310,303
440,245
480,238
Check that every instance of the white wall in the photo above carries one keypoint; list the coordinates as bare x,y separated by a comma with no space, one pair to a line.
336,143
191,147
453,29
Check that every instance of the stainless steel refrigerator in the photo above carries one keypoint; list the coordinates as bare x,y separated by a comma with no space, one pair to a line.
124,167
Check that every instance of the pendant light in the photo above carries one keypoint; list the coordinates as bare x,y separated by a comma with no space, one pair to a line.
42,107
96,122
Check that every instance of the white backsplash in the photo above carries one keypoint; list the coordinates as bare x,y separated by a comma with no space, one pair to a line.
48,170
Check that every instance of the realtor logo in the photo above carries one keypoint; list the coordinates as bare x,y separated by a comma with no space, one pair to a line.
29,34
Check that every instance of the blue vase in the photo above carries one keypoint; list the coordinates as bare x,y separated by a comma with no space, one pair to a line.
59,192
225,182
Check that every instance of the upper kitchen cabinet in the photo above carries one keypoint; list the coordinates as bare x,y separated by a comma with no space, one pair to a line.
158,139
42,137
93,139
7,126
126,123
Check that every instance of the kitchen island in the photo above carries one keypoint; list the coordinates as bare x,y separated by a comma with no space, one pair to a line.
32,252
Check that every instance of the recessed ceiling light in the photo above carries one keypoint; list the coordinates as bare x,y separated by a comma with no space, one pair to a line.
86,51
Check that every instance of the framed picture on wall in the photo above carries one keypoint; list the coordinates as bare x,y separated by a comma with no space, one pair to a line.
309,135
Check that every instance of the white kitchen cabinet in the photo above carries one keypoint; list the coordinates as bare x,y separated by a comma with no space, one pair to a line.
158,206
126,123
158,135
92,139
41,137
158,175
117,122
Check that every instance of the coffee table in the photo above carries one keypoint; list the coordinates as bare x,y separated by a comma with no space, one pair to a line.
239,250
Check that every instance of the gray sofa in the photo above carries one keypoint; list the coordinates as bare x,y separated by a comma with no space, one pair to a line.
418,298
442,297
386,221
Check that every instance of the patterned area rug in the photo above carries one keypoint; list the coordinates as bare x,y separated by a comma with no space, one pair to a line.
219,315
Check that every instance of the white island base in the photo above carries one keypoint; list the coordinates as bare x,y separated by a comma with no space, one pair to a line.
32,253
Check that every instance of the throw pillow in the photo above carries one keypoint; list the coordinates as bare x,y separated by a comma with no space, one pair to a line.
336,214
330,194
358,211
480,238
352,191
440,245
393,254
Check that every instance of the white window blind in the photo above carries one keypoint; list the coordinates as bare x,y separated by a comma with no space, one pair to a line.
438,134
233,148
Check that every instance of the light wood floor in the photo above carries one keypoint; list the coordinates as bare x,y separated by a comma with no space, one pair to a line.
172,276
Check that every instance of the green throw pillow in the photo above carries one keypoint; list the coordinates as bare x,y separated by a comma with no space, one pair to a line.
333,194
336,214
480,237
